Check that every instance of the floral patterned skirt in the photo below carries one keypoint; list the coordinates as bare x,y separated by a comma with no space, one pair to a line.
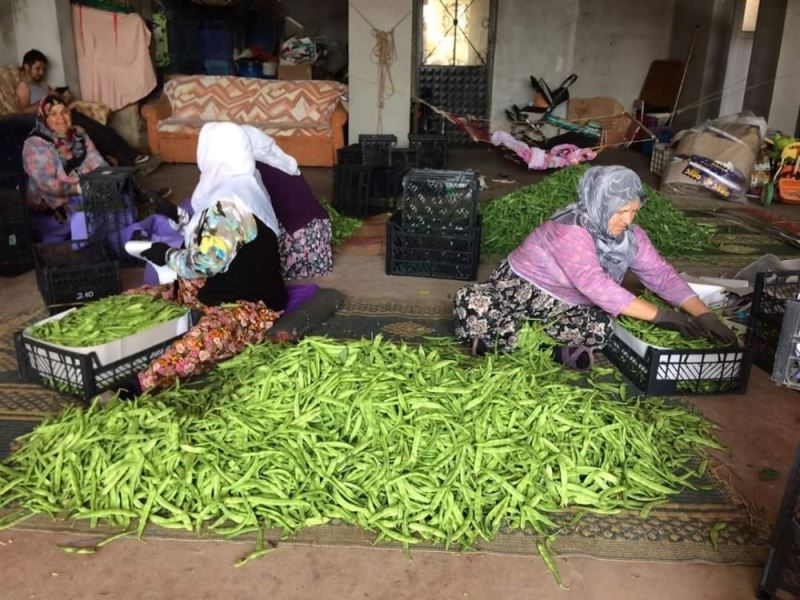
306,252
221,332
495,312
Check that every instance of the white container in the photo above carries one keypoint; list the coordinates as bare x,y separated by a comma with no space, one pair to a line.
270,69
711,364
114,350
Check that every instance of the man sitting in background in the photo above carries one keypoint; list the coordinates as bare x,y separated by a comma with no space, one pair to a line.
32,88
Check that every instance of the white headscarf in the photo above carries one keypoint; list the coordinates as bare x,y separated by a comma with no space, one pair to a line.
265,150
228,172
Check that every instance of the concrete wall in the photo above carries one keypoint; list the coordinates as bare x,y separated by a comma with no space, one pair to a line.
534,37
8,40
706,74
609,44
738,64
47,26
321,18
616,40
785,104
384,14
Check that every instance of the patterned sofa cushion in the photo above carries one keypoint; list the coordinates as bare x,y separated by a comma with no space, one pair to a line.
9,78
192,127
282,104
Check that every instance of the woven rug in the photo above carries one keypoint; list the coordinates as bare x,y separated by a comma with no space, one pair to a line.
678,531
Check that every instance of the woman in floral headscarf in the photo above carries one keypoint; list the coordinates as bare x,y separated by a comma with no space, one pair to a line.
567,274
54,155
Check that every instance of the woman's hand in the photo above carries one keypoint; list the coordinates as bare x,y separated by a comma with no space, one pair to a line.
715,330
686,325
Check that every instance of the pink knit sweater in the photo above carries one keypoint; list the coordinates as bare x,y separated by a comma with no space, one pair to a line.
562,261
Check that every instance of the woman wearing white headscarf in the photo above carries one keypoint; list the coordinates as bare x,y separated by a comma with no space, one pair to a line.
304,239
229,267
567,273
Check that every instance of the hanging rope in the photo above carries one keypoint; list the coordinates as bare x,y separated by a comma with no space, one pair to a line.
384,54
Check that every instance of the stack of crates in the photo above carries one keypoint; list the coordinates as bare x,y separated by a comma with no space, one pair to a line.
108,207
437,231
772,292
16,256
432,149
368,177
70,274
782,571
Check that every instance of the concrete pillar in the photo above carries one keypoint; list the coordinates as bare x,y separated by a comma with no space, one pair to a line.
764,57
363,71
705,77
784,112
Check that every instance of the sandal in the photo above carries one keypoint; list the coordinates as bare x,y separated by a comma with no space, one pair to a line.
479,347
579,358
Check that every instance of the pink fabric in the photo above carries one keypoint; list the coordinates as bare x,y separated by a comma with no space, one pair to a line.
562,261
114,63
537,159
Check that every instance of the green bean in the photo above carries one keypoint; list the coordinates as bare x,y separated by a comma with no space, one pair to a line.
414,443
107,319
656,336
509,219
713,535
342,227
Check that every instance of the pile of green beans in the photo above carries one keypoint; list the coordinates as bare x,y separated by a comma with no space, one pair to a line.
656,336
342,227
413,443
509,219
107,319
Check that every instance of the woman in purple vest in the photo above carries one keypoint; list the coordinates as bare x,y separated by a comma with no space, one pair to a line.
305,227
567,274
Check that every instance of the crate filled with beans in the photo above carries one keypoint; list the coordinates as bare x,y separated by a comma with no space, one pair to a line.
86,350
661,362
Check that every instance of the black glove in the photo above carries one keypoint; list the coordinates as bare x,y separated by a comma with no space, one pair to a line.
715,330
673,320
164,207
157,253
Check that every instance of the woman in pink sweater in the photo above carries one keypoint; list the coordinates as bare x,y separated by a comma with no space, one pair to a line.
567,274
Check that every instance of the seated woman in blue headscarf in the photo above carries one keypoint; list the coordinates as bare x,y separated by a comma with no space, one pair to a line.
567,274
55,154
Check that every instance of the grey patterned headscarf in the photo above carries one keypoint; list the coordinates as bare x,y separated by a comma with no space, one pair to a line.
602,191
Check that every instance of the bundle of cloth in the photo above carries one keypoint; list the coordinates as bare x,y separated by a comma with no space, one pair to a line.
537,159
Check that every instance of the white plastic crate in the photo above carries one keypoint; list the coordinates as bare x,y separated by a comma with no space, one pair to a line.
112,351
660,158
659,371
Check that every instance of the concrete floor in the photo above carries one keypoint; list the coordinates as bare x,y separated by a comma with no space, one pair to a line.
761,428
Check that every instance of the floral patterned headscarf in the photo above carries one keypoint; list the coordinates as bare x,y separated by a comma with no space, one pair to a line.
70,146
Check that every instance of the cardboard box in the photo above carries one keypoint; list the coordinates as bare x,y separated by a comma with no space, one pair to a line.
294,72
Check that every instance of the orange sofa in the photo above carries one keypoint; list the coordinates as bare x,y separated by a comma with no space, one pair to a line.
306,118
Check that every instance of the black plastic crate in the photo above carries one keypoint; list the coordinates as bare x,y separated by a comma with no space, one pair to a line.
73,273
349,155
108,207
387,182
16,247
376,149
432,148
782,571
444,255
74,373
440,200
352,185
772,291
662,372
